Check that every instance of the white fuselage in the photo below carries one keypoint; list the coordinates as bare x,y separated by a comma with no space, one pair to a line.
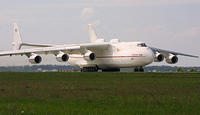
118,55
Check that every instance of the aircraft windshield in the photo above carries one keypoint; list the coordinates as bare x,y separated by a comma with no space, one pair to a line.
141,45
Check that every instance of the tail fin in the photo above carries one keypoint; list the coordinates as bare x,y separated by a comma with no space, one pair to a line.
17,41
92,34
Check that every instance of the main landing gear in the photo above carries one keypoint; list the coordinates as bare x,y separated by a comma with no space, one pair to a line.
95,69
89,69
111,70
139,69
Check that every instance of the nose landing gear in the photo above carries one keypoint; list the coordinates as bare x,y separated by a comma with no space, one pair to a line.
139,69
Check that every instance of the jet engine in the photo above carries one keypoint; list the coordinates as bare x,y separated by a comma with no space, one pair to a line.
35,59
62,57
158,57
172,59
89,56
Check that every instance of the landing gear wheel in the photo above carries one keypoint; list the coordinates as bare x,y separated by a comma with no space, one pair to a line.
139,69
136,69
89,69
111,70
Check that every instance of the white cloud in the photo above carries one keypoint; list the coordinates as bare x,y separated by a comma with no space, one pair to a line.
194,32
87,13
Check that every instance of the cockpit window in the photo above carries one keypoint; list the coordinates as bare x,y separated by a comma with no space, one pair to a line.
141,45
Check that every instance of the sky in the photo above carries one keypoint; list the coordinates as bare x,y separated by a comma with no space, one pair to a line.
166,24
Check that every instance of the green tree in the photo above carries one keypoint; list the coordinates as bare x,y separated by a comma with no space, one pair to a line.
180,69
193,70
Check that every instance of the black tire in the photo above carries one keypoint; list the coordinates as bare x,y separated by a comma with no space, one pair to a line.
89,69
141,69
111,70
136,69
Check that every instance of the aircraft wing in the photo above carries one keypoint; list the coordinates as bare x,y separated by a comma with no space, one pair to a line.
71,49
167,52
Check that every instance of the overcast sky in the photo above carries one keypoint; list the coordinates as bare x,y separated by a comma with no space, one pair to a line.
166,24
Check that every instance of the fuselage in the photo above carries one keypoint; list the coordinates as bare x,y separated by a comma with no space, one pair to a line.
118,55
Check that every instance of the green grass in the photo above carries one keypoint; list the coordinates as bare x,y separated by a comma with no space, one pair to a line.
99,93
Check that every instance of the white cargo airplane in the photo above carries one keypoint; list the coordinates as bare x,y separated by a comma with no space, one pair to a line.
97,55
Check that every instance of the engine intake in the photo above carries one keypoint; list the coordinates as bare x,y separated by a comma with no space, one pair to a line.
62,57
35,59
89,56
158,57
172,59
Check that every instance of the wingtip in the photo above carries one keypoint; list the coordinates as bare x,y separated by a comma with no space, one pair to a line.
195,56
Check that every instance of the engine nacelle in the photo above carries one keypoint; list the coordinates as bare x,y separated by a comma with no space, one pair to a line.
159,57
89,56
172,59
62,57
35,59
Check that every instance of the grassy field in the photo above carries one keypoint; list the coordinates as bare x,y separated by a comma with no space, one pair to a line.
99,93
